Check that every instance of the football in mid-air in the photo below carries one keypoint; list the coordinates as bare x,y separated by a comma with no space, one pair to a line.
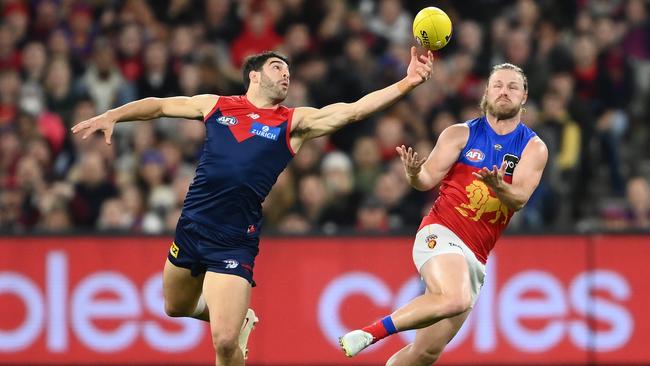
432,28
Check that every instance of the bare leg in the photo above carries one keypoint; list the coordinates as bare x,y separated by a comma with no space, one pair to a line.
227,297
448,293
181,291
429,343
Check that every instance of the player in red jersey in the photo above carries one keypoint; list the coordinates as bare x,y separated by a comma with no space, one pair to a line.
249,141
488,168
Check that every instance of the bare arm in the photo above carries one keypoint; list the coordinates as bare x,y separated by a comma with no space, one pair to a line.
424,175
525,178
311,122
195,107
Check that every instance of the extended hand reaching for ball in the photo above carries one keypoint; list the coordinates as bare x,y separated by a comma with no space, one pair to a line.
412,163
420,68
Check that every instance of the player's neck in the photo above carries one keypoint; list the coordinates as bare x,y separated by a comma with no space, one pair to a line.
503,126
259,101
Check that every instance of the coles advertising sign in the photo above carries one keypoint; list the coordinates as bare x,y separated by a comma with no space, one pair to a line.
547,300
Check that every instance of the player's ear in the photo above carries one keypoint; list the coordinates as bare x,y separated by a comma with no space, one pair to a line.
254,76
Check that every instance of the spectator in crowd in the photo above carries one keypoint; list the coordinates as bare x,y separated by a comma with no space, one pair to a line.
92,188
62,62
367,164
342,199
372,217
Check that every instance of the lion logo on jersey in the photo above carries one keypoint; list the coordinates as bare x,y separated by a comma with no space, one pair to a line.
481,202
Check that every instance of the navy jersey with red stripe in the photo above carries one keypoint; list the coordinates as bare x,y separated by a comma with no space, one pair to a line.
245,150
466,205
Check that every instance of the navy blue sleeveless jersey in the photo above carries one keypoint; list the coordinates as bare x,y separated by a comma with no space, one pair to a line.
245,150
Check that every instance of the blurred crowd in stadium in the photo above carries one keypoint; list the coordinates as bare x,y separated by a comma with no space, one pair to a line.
587,61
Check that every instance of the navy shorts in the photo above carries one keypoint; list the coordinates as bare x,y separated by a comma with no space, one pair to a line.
200,249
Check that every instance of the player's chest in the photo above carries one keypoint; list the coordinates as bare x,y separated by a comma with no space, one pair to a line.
489,153
245,124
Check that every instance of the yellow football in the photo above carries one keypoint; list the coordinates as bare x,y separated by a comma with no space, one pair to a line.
432,28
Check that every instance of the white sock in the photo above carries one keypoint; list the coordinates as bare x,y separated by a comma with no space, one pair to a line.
200,307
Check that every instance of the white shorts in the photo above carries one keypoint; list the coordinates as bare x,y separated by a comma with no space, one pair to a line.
435,239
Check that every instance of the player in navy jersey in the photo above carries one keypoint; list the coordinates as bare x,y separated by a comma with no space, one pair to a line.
487,169
250,139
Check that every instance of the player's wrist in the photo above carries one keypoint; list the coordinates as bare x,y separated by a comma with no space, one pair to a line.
413,175
404,86
112,115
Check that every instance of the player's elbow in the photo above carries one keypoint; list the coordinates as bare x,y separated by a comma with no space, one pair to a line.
156,107
518,204
353,112
422,187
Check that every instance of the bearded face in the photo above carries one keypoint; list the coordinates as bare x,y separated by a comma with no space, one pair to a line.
274,90
503,108
274,80
504,95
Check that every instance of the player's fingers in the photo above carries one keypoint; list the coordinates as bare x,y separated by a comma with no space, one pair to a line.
107,136
88,131
414,52
78,127
477,175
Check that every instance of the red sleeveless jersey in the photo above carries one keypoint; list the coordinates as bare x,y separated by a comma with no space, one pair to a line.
466,205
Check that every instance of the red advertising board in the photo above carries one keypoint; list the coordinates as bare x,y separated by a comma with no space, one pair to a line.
547,300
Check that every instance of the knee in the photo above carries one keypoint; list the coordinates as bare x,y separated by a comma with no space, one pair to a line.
428,357
225,346
455,305
175,310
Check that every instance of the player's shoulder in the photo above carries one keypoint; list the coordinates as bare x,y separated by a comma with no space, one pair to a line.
455,134
537,147
474,122
204,102
457,129
300,112
210,98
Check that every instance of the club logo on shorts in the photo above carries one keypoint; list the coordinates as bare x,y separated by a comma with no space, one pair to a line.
174,250
231,263
227,120
431,240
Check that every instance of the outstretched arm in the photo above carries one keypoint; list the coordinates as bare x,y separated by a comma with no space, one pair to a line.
424,175
525,178
311,122
195,107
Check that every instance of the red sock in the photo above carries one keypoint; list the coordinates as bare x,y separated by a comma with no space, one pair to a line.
379,329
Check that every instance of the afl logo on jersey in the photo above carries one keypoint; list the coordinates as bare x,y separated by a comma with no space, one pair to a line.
475,155
227,120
